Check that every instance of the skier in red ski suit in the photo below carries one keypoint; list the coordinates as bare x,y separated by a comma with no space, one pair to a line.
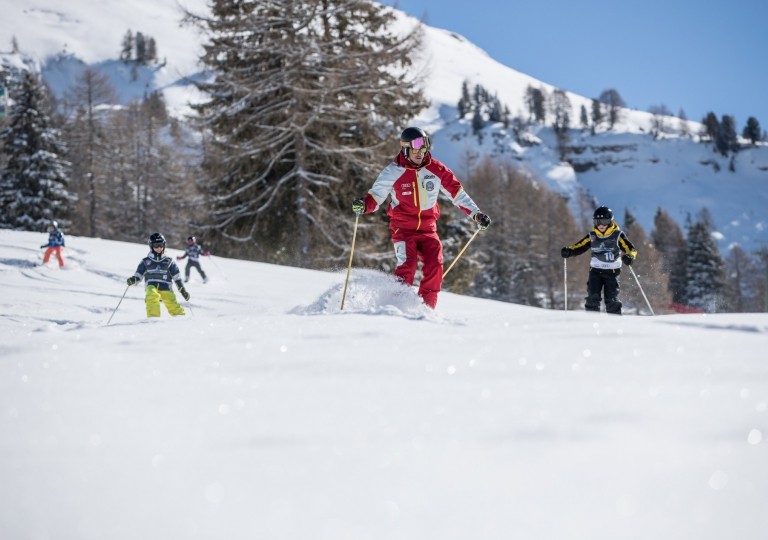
413,180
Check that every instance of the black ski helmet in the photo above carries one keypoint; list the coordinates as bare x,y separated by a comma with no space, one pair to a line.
603,212
156,239
411,134
191,240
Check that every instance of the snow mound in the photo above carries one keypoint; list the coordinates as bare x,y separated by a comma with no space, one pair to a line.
370,292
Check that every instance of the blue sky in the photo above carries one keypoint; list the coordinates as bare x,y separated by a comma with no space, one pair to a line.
697,57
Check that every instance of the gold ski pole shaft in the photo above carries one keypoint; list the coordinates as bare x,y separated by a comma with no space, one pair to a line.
351,254
461,253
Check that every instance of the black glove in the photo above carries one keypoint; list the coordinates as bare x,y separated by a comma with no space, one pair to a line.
184,293
358,206
483,220
133,280
44,246
628,260
565,252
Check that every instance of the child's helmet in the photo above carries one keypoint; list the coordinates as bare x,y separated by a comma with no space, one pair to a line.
603,212
156,239
414,137
602,216
191,240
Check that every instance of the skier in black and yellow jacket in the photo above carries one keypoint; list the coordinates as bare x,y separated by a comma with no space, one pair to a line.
610,247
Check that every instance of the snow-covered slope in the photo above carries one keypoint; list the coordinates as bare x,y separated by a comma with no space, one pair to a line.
267,412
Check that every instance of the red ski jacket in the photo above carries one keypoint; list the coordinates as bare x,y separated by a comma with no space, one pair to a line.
414,190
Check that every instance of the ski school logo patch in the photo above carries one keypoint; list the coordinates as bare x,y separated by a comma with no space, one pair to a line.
429,186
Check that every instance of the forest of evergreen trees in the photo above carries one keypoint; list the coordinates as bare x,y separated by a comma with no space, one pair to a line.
299,117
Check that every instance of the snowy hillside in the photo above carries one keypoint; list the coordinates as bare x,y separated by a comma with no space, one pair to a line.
266,412
623,169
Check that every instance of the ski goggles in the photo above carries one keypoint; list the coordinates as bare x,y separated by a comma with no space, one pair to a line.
603,221
419,145
157,245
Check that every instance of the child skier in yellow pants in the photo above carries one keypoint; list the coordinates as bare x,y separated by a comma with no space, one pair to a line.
159,271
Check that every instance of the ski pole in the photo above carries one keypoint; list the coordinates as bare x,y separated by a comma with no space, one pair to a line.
461,253
351,253
118,305
641,290
217,268
565,284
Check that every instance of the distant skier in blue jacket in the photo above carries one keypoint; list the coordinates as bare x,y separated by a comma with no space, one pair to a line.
55,244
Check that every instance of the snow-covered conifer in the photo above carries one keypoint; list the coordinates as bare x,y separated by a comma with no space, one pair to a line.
705,268
33,184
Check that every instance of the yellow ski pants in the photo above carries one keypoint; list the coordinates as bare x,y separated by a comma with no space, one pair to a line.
153,298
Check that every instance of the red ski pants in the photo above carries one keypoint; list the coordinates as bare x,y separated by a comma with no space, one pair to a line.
57,251
412,247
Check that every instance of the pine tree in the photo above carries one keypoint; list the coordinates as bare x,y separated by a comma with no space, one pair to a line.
5,77
649,269
597,115
535,101
668,238
705,269
480,96
711,126
685,130
613,100
126,50
478,123
726,140
752,130
743,286
465,101
762,282
141,48
306,102
561,108
496,113
33,185
583,117
151,54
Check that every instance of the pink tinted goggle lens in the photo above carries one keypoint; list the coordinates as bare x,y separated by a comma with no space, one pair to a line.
418,143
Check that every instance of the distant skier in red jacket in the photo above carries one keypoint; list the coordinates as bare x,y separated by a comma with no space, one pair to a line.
413,180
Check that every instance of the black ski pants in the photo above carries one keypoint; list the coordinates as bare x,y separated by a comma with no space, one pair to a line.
603,282
193,264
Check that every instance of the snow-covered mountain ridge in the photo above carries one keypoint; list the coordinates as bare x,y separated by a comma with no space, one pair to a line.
626,168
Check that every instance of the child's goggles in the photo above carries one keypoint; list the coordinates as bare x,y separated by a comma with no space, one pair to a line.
603,221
